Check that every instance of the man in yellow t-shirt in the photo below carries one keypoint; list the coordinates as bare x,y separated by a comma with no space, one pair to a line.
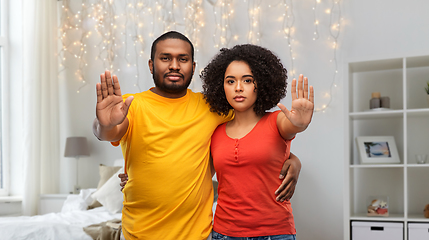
165,138
166,150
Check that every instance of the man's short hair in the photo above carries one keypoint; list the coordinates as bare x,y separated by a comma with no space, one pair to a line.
171,35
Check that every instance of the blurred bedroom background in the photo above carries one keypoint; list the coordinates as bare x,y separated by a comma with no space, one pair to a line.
53,55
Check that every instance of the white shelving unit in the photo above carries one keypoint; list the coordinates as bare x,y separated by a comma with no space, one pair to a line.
407,183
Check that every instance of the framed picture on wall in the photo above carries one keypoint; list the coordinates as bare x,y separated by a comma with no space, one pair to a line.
377,149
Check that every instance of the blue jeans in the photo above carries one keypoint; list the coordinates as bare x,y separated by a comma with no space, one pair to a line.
217,235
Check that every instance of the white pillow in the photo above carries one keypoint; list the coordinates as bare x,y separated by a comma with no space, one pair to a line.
74,202
86,193
105,173
110,194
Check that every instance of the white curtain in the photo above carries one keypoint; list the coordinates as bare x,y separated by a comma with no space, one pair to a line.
40,100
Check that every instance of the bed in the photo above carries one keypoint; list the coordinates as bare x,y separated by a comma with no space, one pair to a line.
93,214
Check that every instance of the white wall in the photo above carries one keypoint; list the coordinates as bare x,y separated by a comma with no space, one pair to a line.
386,28
371,29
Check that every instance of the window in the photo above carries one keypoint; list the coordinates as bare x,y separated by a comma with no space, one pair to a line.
4,176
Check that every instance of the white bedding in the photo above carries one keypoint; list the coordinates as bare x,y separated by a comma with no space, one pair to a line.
55,226
69,223
65,225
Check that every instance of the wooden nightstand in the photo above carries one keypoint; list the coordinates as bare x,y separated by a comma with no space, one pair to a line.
51,203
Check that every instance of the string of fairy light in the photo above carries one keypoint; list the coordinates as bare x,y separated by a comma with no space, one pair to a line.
114,32
316,21
335,19
223,11
135,12
254,35
288,28
194,22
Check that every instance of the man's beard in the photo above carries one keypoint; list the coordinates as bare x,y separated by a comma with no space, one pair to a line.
172,87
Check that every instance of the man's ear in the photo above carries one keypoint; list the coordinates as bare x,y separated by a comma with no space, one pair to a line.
193,68
150,63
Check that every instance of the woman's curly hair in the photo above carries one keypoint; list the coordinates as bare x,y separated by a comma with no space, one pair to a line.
267,70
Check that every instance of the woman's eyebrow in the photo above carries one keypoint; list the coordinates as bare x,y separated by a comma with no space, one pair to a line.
241,76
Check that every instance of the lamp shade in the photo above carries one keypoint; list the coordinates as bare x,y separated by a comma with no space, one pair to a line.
76,147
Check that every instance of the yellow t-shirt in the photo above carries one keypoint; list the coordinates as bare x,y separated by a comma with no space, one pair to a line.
169,192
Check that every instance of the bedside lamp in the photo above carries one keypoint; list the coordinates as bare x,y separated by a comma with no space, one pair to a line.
76,147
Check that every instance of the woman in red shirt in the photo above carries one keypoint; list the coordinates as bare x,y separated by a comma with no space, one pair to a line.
251,80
